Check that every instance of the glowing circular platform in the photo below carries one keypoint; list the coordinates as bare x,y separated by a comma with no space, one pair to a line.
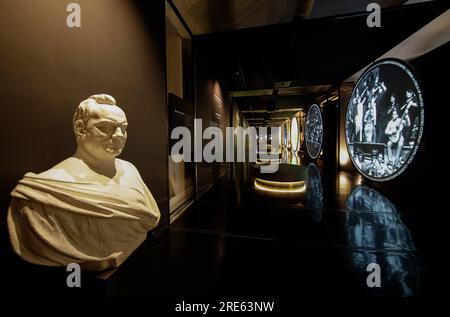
289,179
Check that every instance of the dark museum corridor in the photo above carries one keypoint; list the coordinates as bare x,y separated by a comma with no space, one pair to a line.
186,151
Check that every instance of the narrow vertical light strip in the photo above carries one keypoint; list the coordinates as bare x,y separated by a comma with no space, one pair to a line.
294,134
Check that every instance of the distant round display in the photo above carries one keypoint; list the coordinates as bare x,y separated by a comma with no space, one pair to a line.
294,134
384,120
314,131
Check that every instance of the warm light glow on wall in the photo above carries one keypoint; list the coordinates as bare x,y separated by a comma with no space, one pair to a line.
344,159
359,180
343,180
347,182
217,91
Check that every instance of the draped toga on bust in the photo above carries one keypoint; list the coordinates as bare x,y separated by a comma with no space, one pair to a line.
55,222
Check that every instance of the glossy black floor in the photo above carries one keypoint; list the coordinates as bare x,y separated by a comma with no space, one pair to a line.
241,242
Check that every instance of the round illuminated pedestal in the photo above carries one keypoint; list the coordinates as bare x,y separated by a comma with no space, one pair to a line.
289,179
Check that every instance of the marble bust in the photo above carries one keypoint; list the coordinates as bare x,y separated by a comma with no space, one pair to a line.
92,208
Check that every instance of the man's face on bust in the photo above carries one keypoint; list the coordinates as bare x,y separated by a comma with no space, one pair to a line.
106,132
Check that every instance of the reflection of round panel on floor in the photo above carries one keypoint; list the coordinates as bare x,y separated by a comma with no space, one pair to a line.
314,187
384,120
314,131
373,222
365,199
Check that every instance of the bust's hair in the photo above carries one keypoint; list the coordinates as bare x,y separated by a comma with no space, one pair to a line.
84,109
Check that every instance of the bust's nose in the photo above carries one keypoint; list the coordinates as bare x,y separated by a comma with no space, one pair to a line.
118,134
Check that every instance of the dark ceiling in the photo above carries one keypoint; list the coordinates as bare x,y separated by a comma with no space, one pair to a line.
272,71
209,16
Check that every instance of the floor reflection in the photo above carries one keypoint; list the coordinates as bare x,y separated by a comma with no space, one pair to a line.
376,230
330,221
292,186
314,191
375,223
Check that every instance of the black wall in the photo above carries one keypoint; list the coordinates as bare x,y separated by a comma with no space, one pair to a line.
46,69
213,106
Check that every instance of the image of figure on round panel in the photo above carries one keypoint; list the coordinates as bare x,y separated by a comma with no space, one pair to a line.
384,120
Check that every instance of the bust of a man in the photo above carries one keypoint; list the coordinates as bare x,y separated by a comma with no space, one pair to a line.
92,208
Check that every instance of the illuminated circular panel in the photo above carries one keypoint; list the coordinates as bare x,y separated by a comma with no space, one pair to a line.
314,131
384,120
294,134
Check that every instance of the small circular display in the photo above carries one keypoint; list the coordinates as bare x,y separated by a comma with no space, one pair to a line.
314,131
294,134
384,120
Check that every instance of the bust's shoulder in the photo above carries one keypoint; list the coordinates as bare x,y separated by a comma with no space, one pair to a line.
130,169
127,166
63,170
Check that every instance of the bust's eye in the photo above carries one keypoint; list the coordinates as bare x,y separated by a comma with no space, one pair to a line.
105,128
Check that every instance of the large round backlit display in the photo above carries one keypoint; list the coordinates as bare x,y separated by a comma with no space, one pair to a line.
314,131
294,134
384,120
